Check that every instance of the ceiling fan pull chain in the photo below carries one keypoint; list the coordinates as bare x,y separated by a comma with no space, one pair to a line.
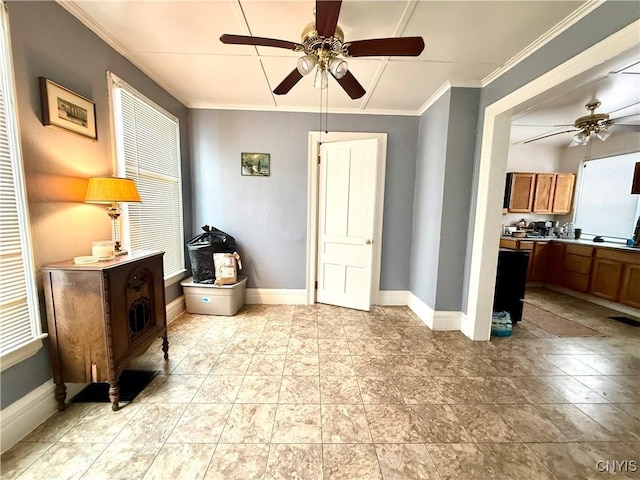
326,113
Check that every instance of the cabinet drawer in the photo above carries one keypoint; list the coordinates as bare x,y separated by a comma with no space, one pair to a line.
618,255
508,243
575,281
525,245
577,264
580,250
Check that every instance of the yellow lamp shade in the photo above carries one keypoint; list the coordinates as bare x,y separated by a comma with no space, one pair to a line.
111,190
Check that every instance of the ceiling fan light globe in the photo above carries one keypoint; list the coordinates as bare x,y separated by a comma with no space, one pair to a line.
321,81
603,134
580,138
306,64
338,67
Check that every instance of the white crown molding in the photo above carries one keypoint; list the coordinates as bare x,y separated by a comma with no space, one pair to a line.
444,88
545,38
96,28
332,111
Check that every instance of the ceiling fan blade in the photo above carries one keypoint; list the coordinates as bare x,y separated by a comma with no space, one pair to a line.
351,86
551,135
288,83
615,121
258,41
327,12
399,46
629,128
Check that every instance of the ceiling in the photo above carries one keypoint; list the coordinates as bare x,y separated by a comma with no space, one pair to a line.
176,43
615,83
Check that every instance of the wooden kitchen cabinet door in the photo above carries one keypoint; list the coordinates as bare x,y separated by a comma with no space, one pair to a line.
563,194
522,188
606,278
544,192
540,263
630,290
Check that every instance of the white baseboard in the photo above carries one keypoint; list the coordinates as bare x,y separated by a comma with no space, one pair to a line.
271,296
443,320
421,309
597,300
175,308
393,297
22,416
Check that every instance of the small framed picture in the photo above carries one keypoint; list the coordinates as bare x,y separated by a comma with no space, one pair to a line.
66,109
255,164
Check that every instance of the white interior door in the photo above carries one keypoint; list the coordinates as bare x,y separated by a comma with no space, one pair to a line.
346,215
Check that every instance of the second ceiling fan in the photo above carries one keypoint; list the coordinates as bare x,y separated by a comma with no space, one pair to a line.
324,47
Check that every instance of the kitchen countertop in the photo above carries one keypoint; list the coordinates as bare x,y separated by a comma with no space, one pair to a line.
591,243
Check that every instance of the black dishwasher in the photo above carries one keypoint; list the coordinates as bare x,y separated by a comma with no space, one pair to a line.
511,281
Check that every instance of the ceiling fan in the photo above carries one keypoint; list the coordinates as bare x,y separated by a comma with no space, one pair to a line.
323,47
594,124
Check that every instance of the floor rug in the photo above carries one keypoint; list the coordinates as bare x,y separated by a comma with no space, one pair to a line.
627,320
131,383
563,327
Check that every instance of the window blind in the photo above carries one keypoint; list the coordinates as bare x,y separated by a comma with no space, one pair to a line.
605,204
19,316
148,152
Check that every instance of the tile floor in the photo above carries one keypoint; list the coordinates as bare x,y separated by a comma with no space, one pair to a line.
284,392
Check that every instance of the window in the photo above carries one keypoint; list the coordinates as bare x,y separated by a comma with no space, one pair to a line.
20,330
147,143
605,204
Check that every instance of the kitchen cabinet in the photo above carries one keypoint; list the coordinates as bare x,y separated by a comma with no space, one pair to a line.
616,276
577,267
630,289
563,193
543,197
539,264
555,268
102,315
521,188
550,193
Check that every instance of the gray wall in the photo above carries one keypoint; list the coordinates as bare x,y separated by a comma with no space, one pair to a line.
268,215
458,179
427,208
49,42
604,21
446,144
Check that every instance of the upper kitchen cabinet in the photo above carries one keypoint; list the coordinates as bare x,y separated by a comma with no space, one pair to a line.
543,198
550,193
519,196
563,197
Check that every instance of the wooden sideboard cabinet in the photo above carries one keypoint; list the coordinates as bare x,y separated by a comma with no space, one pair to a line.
102,315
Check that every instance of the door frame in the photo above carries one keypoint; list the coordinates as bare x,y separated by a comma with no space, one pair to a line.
476,323
313,179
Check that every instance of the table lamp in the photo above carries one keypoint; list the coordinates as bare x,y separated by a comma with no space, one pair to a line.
111,191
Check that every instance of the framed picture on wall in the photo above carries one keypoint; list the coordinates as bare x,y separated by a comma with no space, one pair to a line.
255,164
65,109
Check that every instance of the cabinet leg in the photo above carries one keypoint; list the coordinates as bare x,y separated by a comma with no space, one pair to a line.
114,395
165,346
61,395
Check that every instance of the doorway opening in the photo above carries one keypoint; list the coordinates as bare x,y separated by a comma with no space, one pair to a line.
476,324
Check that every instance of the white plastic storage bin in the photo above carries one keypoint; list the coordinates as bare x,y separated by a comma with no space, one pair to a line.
209,299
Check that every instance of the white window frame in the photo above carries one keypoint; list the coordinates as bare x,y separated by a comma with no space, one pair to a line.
115,84
29,346
580,192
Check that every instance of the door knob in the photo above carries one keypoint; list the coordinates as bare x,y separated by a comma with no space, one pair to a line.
368,242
